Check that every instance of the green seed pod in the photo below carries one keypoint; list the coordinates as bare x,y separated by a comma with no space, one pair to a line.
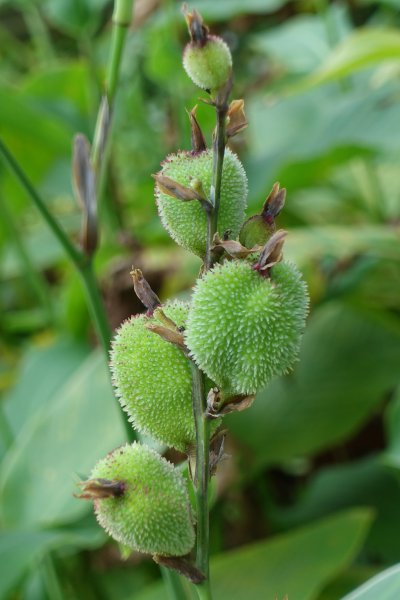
258,229
243,328
186,221
206,59
208,66
141,500
153,380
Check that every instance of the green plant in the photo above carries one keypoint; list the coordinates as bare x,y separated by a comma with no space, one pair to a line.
321,86
179,367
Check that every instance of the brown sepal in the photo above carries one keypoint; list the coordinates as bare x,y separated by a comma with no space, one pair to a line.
84,182
273,204
217,453
232,247
196,134
214,402
236,119
169,335
143,290
271,253
98,489
197,30
217,405
167,329
182,565
176,190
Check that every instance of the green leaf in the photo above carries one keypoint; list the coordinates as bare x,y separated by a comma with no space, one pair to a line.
307,244
40,471
300,139
364,48
76,17
42,372
301,44
298,564
22,549
392,426
347,581
363,483
348,360
384,586
226,9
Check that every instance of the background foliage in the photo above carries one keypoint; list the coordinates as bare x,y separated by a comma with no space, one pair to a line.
308,503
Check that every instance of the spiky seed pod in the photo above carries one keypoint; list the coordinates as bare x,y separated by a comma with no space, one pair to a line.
186,221
153,380
206,58
208,66
243,328
152,514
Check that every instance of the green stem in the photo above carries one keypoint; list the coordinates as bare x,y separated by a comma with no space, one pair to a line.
219,143
208,259
82,263
122,17
72,252
96,306
323,9
201,479
51,580
202,475
39,32
7,435
204,591
173,584
33,277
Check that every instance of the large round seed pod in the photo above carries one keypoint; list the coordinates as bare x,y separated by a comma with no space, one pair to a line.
142,501
186,221
244,328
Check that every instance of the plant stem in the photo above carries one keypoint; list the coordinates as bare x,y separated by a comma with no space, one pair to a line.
219,143
96,306
202,424
82,263
37,282
201,479
7,434
173,584
51,580
39,32
72,252
208,259
122,17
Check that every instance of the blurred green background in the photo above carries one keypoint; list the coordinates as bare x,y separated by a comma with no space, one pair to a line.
308,504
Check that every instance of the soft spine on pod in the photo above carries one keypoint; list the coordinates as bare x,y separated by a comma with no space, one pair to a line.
152,512
243,328
186,222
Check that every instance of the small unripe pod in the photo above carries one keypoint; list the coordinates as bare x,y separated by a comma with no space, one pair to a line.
209,66
149,510
153,379
244,328
186,221
206,58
